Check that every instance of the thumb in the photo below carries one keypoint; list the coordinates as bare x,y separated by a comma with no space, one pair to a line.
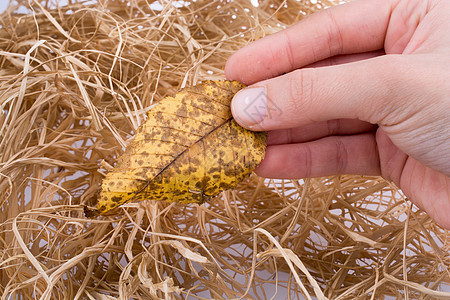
360,90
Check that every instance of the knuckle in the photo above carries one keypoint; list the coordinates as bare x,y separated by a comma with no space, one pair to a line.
334,36
341,156
301,87
289,50
393,78
307,162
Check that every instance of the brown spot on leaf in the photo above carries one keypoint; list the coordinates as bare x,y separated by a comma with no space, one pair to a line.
116,199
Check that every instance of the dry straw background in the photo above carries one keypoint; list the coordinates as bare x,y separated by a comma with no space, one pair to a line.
76,80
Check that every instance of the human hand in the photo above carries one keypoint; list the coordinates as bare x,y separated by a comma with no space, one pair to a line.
367,91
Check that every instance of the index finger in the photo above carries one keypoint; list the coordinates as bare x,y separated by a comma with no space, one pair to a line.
354,27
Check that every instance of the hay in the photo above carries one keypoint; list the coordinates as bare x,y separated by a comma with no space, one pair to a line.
76,80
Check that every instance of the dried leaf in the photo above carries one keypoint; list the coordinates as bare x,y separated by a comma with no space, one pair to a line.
189,150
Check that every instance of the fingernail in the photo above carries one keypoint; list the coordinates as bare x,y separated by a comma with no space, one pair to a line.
249,105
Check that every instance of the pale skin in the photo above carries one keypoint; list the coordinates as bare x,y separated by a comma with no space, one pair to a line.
365,90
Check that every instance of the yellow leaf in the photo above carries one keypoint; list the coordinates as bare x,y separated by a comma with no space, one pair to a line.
189,150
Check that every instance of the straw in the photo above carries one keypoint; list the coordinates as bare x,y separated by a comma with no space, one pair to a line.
76,81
